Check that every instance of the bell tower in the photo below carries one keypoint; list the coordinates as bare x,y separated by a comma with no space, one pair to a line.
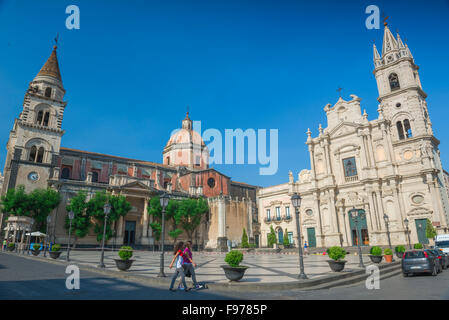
401,96
35,139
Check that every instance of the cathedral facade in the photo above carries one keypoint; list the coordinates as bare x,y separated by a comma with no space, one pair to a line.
389,167
36,159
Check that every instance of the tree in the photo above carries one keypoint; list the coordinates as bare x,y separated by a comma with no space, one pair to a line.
245,243
42,203
430,230
38,204
271,237
286,240
189,214
95,208
81,220
16,202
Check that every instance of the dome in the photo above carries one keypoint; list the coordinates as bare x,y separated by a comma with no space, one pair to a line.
186,147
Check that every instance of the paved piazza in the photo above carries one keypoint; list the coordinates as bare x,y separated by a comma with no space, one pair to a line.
263,267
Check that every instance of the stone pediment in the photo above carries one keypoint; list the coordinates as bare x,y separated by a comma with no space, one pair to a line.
342,129
137,185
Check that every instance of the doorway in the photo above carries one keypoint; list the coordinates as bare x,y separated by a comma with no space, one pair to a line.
421,225
362,226
311,237
130,233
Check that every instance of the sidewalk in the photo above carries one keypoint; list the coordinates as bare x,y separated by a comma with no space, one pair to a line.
266,272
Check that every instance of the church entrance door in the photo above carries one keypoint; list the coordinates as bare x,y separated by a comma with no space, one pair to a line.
130,233
363,238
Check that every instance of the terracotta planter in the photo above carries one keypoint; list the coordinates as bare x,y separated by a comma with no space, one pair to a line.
55,254
123,265
234,273
375,259
388,258
336,266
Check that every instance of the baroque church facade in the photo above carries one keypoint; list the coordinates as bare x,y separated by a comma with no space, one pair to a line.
387,167
36,159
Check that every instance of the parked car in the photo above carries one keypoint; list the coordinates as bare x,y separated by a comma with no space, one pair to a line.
419,261
442,242
443,257
438,260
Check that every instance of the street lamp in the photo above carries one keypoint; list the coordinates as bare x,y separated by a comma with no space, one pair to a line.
387,223
408,233
46,236
164,202
71,216
106,209
355,216
296,201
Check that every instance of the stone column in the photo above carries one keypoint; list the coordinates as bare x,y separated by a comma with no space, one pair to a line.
334,219
145,218
345,225
434,195
320,236
373,212
222,239
120,227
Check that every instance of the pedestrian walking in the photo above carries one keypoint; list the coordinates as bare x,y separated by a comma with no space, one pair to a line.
189,265
178,257
306,250
5,243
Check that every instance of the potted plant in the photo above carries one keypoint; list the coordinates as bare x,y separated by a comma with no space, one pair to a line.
375,254
234,271
388,253
124,263
418,246
36,249
399,251
55,251
336,254
11,246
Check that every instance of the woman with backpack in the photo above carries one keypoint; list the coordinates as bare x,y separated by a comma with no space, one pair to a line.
178,257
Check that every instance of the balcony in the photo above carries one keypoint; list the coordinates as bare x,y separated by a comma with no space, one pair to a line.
267,220
352,178
287,218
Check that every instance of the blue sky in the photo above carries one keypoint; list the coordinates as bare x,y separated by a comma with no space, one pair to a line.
134,66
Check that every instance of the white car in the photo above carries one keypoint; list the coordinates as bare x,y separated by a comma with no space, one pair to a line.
442,242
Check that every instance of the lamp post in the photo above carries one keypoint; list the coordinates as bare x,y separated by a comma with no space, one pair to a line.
356,215
46,236
164,202
387,224
296,202
408,233
106,210
71,216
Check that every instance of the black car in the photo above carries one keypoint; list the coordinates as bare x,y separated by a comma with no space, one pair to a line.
444,258
420,261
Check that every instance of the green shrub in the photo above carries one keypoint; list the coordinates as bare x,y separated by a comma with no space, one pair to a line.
336,253
271,237
286,240
233,258
376,251
11,245
418,246
55,247
388,252
245,243
125,253
399,249
36,246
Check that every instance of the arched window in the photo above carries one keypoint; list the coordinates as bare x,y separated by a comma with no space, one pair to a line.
33,152
48,92
94,176
394,81
407,128
400,130
46,118
65,173
40,155
40,115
